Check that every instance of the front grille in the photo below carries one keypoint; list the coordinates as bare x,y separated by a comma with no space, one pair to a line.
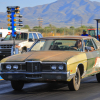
6,46
33,67
46,67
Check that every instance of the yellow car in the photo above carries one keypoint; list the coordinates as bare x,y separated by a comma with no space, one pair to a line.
65,59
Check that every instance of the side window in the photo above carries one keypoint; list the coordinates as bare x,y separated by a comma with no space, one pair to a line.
95,44
40,36
30,37
35,36
89,45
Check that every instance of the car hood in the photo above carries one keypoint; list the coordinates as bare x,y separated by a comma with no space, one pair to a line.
10,42
44,56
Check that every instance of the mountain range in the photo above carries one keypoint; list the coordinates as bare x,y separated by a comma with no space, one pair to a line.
61,13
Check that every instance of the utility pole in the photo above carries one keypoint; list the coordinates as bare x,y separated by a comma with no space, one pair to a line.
81,22
40,21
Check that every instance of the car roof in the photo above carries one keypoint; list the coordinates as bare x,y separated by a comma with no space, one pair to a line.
67,37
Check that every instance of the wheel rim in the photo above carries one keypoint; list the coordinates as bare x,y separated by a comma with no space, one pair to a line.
76,78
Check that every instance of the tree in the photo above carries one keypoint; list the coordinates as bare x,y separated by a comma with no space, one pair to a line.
60,30
83,26
72,27
26,27
90,27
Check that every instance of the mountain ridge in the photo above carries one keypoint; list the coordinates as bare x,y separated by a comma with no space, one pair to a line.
61,13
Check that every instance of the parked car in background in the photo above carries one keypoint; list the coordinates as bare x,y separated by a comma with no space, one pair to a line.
54,59
23,40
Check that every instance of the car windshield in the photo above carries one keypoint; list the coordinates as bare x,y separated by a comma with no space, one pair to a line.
8,37
20,36
62,45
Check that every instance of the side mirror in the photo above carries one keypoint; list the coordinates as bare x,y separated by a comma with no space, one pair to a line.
30,40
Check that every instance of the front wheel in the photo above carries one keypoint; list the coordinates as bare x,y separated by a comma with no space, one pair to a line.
17,85
98,77
23,51
74,84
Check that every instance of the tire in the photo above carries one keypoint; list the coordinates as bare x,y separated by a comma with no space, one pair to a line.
17,85
98,77
23,51
74,84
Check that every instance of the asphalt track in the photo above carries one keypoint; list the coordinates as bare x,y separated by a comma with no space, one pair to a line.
89,90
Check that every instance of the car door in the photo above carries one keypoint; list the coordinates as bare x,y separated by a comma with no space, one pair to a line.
91,56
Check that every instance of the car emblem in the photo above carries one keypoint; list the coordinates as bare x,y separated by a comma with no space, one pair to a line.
35,67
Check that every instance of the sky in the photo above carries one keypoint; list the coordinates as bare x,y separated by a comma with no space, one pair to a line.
24,3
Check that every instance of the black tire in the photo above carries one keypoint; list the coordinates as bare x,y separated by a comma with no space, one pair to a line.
74,84
98,77
23,51
17,85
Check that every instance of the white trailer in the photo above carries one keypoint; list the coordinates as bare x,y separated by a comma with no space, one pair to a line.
4,32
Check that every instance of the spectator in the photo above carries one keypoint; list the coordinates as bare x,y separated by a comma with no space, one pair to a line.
84,33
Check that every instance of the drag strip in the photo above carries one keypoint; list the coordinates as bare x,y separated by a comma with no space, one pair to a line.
89,90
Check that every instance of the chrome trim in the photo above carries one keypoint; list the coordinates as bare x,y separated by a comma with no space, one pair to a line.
30,73
33,78
33,61
13,63
46,62
84,61
71,76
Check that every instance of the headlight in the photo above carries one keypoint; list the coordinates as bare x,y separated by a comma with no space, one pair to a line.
53,67
8,67
15,67
60,67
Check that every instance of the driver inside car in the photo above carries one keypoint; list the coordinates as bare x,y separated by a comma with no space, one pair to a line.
78,46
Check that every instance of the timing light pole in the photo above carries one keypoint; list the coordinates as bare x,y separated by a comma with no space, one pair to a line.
12,11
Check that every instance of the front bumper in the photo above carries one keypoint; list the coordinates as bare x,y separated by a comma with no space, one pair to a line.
36,76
